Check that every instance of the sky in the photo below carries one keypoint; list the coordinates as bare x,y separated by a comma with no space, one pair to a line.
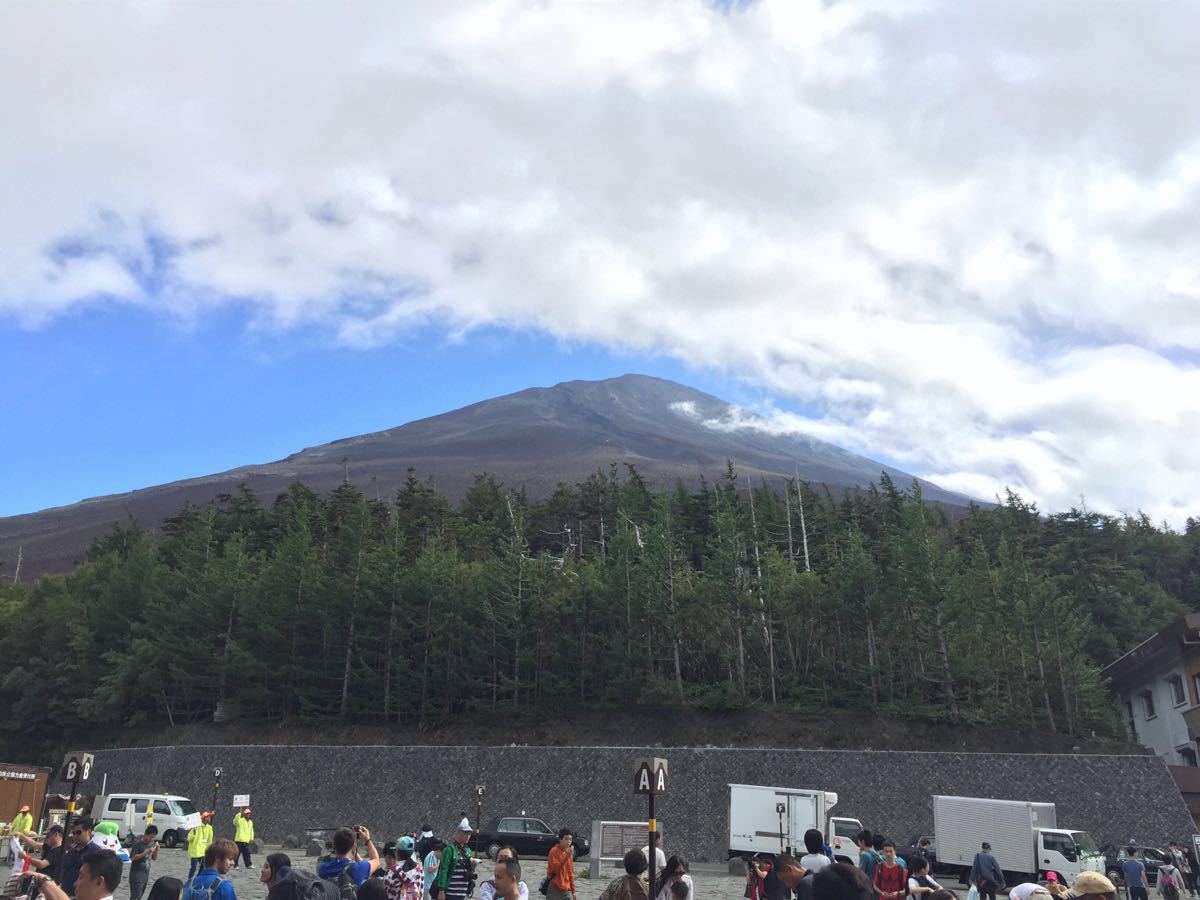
960,238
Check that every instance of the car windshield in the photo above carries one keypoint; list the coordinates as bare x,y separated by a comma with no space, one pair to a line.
183,807
1085,843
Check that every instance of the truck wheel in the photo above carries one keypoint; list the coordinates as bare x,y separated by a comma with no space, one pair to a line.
170,839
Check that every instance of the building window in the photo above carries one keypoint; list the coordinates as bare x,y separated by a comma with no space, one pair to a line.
1148,704
1177,693
1196,684
1187,755
1132,724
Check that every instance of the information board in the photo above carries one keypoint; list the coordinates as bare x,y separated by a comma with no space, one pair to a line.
618,838
612,840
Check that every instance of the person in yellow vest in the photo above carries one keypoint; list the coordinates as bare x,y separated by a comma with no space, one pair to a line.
243,834
199,839
23,822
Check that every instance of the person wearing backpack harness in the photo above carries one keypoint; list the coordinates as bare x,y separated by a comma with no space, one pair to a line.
1170,879
211,883
243,834
345,869
198,840
456,874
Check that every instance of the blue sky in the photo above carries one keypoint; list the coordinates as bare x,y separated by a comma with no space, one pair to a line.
114,399
954,237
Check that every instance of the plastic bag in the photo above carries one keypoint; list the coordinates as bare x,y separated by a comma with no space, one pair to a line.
973,893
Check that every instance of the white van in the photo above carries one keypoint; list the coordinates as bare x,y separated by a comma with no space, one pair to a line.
174,816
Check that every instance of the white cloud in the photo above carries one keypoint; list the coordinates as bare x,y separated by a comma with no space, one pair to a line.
963,232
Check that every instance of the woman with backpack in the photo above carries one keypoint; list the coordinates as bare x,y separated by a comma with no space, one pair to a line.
920,882
1170,879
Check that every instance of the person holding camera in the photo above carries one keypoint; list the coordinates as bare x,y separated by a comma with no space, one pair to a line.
346,857
141,854
456,874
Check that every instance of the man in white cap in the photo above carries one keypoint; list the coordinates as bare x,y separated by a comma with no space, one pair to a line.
243,835
456,874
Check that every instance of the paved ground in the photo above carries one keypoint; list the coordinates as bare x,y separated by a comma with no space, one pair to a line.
712,882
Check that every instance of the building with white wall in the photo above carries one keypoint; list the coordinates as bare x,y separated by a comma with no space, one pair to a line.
1158,684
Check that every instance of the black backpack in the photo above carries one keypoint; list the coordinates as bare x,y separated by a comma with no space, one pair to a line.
301,884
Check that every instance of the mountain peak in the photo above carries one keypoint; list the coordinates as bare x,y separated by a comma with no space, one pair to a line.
536,439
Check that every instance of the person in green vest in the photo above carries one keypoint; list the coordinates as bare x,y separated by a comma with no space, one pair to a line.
243,834
23,822
199,839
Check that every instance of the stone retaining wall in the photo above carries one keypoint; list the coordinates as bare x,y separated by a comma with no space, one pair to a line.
394,789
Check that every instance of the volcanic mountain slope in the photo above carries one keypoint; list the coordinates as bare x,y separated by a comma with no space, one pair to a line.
535,438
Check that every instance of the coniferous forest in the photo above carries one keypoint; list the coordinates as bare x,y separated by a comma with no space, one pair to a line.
408,609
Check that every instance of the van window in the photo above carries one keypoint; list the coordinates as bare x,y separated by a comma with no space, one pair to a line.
118,804
183,807
139,806
161,808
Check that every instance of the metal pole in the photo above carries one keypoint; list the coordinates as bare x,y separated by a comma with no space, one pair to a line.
652,830
71,807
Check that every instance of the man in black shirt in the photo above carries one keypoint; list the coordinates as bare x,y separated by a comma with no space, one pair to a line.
72,859
50,863
842,882
783,878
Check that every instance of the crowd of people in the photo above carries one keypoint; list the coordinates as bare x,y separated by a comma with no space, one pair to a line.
882,874
420,866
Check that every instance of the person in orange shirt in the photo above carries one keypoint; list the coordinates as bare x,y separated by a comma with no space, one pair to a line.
560,868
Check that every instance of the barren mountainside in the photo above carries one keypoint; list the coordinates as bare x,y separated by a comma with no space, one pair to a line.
534,439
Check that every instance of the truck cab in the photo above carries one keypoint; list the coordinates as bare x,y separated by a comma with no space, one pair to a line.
841,837
1067,853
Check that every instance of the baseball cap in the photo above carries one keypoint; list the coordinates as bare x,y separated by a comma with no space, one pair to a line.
1052,876
246,811
206,815
389,849
406,843
54,829
987,846
24,808
1091,883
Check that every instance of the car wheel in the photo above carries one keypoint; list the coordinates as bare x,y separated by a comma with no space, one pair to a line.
492,850
170,839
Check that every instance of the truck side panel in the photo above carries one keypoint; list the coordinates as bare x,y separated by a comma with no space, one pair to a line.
1044,815
962,824
754,825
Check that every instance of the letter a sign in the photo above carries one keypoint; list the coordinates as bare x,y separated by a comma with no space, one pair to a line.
650,776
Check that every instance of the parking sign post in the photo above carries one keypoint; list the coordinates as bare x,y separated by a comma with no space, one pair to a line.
76,768
650,778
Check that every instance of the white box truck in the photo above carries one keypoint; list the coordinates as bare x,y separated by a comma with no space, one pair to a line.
1025,839
764,821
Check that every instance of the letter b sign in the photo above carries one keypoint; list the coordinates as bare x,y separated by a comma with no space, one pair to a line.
76,767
